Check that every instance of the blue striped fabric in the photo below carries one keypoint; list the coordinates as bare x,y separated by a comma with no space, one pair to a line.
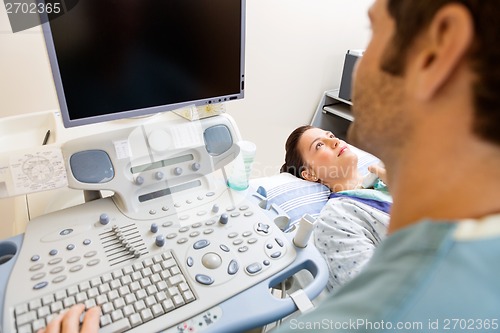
299,197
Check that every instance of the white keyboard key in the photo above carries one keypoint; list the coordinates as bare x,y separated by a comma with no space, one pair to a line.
173,291
84,286
92,292
90,303
101,299
105,320
165,274
145,282
69,302
137,266
178,300
25,329
95,282
128,310
168,305
107,308
112,295
119,303
35,304
26,318
119,326
123,291
136,276
130,298
146,315
155,278
175,280
127,270
117,274
115,284
141,293
72,291
175,270
106,278
162,285
103,288
125,280
135,319
20,309
43,312
161,296
56,307
134,286
157,310
47,299
139,306
188,296
81,297
183,287
151,290
156,268
150,301
60,295
146,272
116,315
148,262
38,324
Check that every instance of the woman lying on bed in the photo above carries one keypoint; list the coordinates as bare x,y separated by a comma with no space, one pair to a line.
355,219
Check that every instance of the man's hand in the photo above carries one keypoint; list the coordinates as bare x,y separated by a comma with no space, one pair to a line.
69,321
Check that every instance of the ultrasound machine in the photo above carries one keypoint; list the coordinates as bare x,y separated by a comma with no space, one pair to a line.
172,248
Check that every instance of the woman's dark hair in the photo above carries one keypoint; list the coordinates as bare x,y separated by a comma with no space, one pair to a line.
412,17
294,163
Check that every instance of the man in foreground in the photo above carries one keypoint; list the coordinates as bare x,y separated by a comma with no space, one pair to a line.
427,102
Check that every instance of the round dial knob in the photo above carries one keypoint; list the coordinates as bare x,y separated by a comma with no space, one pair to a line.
154,228
104,219
139,180
195,166
224,218
215,208
177,171
160,240
159,175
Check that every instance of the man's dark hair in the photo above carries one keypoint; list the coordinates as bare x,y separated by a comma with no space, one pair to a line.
413,16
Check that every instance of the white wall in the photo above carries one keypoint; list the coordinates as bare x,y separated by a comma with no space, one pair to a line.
294,52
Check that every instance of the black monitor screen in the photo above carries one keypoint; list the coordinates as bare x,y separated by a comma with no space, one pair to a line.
114,59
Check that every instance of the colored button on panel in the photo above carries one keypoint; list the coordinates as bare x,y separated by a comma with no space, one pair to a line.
202,243
233,267
204,279
253,268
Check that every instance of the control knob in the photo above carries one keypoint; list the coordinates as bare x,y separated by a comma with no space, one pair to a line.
224,218
160,240
104,219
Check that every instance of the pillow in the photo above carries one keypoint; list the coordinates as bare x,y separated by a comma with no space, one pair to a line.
296,196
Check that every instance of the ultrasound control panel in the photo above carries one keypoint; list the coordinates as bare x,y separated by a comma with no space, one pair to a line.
171,243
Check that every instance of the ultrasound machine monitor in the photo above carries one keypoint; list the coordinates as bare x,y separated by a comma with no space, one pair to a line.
120,59
173,248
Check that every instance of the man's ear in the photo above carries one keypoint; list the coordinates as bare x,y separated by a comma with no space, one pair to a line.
443,46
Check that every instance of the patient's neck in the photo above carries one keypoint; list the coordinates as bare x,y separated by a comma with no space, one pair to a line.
344,184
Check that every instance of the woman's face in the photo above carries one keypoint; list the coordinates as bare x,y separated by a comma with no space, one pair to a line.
327,158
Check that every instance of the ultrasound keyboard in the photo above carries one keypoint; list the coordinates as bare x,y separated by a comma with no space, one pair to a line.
174,248
128,296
